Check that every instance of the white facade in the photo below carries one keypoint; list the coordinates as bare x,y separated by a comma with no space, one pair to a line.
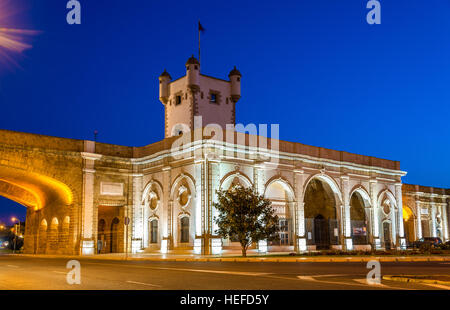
174,181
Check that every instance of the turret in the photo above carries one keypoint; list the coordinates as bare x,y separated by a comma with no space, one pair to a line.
235,79
193,73
164,81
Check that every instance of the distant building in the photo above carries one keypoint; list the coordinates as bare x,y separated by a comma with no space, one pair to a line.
85,197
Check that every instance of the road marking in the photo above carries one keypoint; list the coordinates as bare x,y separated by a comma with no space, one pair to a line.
239,273
312,279
13,266
444,287
146,284
60,272
364,281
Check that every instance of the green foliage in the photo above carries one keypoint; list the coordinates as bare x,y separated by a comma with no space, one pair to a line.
245,216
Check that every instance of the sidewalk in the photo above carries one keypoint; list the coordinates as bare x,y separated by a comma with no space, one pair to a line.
255,259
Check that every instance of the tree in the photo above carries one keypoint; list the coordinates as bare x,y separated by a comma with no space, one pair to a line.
246,216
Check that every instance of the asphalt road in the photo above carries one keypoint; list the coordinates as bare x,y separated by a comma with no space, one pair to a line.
28,273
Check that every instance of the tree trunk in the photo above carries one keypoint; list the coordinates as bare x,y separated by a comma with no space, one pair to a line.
244,251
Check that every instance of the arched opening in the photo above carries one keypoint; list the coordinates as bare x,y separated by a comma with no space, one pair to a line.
387,215
64,233
409,224
101,237
11,233
114,236
153,231
42,239
426,226
184,229
321,217
52,236
279,193
358,220
387,235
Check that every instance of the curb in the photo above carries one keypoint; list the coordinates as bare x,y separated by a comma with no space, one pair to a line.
412,279
253,260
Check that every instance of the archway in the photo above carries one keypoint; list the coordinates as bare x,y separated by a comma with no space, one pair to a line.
280,194
153,231
184,229
409,221
387,234
358,220
387,214
321,214
102,237
64,234
114,248
42,238
11,213
44,198
52,236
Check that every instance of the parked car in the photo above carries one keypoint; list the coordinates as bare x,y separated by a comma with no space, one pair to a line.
431,242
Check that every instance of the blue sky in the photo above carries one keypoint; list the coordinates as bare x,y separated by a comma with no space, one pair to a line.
315,67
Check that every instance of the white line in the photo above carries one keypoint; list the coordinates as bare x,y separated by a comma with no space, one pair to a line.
13,266
146,284
309,278
239,273
444,287
364,281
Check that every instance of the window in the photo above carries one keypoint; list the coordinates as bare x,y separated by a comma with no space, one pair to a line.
178,100
154,231
283,233
184,230
214,98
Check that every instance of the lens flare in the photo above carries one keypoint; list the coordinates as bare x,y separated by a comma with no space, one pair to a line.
13,41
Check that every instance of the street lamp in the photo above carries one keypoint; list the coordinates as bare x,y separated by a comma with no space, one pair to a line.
14,220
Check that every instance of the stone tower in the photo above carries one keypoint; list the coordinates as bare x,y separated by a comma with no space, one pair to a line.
196,94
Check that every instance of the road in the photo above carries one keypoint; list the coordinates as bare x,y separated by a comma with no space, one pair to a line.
29,273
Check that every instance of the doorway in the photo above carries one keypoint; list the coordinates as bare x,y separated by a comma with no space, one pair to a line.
321,233
387,235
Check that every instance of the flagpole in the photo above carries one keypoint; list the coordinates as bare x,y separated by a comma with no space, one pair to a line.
199,31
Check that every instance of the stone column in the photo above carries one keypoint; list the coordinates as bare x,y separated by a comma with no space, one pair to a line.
433,220
299,180
258,184
346,220
166,241
213,185
199,203
375,214
444,222
88,209
400,225
138,215
299,205
419,218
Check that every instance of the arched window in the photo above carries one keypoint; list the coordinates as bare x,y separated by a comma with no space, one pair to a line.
184,223
154,231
